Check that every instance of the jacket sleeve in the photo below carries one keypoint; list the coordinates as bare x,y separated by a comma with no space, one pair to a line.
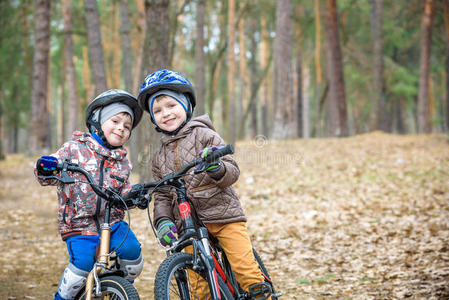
162,199
62,154
229,172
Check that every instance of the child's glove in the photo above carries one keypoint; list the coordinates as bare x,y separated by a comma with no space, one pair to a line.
213,166
166,232
46,165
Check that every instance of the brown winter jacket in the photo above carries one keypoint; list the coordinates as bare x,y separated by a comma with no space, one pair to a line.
212,195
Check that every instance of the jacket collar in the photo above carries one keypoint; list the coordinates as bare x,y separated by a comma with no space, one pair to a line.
200,121
91,143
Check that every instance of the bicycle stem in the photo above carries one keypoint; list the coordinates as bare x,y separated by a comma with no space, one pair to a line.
184,207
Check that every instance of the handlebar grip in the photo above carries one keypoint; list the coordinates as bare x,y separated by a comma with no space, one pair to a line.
228,149
70,167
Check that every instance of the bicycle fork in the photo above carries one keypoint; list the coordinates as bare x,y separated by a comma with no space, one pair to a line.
101,264
210,265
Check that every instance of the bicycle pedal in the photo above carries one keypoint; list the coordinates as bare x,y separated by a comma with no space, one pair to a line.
260,291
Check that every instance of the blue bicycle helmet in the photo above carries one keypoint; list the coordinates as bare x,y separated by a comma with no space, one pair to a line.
162,80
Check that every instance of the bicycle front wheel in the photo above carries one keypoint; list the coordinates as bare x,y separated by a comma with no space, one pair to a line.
176,279
113,288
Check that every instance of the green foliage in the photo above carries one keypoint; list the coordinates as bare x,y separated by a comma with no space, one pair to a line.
15,59
401,82
401,48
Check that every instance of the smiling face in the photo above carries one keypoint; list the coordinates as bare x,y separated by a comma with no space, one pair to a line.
168,113
117,129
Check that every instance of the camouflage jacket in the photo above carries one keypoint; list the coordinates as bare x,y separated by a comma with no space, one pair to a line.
81,211
211,194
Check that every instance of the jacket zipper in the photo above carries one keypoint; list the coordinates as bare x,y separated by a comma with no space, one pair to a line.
176,164
99,199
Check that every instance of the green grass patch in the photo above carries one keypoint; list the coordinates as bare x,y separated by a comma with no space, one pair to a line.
303,281
365,279
325,279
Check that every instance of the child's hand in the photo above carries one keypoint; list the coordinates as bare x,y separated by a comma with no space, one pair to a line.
46,165
214,165
166,232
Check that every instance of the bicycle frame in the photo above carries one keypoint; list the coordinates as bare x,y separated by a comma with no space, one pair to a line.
190,232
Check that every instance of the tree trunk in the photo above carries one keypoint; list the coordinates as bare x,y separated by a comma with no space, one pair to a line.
231,74
317,42
400,103
378,64
142,26
90,92
217,64
306,103
116,51
70,75
264,90
243,77
424,125
39,125
96,57
155,57
283,71
200,78
2,151
338,124
446,26
300,112
253,77
126,46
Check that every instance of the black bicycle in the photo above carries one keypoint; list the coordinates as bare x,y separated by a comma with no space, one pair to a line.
205,273
106,280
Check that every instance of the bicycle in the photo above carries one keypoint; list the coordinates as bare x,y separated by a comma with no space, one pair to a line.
175,275
105,280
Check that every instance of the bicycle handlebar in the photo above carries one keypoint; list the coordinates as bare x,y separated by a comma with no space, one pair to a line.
228,149
64,178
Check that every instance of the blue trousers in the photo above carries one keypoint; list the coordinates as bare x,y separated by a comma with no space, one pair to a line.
82,247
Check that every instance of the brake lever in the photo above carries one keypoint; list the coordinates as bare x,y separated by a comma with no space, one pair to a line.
64,178
201,168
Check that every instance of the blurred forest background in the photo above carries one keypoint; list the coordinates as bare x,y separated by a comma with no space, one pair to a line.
261,68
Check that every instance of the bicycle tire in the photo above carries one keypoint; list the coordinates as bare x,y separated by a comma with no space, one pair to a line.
172,280
117,288
264,270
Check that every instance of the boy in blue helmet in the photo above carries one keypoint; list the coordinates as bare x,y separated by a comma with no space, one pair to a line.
110,118
169,98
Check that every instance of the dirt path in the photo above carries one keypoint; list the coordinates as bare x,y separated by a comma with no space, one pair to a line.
365,217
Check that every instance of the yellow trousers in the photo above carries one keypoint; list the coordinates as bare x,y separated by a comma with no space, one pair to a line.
233,238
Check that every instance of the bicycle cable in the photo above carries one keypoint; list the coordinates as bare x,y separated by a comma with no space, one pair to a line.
126,208
148,207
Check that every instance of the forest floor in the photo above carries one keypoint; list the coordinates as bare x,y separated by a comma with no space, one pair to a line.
365,217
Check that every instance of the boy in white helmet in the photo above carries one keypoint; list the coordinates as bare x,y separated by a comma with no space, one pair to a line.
110,118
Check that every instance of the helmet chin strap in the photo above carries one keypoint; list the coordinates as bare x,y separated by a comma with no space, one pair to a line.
100,133
175,132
